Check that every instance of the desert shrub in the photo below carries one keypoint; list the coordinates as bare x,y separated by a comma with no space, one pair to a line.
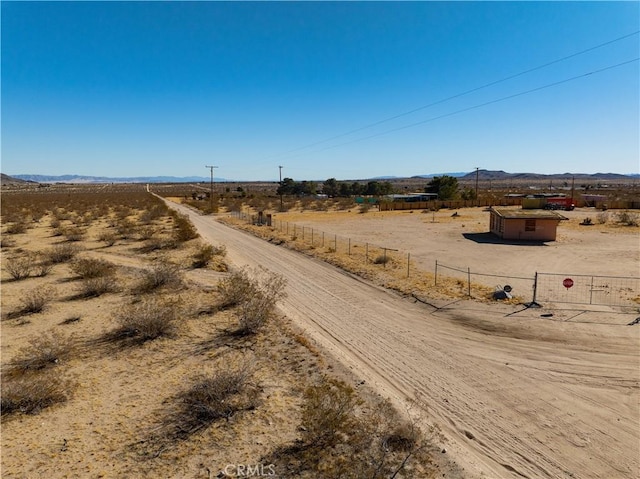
30,394
42,267
92,268
17,227
126,228
239,287
73,233
254,313
153,213
328,413
204,254
35,301
602,217
97,286
146,232
6,242
628,219
183,228
586,221
61,253
343,437
42,352
364,208
107,237
20,267
162,274
146,320
214,396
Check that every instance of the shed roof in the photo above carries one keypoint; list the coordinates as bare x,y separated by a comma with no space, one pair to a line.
529,214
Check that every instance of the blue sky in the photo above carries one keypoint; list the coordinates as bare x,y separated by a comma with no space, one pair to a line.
165,88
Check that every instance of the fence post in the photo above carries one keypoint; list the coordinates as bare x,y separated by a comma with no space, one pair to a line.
311,236
349,251
435,276
335,243
468,281
366,253
591,291
323,239
408,263
384,259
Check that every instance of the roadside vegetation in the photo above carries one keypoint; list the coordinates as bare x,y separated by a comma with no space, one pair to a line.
112,301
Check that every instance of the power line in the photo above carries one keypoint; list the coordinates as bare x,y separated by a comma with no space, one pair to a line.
467,92
549,85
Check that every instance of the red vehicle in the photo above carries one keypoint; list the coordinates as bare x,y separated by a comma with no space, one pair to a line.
560,203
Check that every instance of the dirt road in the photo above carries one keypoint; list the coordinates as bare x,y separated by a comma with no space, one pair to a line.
515,396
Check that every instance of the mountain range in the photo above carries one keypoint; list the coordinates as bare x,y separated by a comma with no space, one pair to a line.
483,175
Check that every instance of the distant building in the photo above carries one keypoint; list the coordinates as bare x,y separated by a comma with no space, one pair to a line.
526,225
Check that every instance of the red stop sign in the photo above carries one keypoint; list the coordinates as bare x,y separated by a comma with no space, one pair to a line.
567,283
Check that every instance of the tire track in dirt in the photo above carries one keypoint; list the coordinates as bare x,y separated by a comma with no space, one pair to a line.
505,403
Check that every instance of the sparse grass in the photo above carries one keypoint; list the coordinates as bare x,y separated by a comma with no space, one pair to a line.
61,253
162,274
108,237
87,268
94,287
146,320
33,301
20,267
42,352
32,393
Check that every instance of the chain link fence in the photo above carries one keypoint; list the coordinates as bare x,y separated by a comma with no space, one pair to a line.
539,288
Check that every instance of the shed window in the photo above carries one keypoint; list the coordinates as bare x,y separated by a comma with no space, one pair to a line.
529,225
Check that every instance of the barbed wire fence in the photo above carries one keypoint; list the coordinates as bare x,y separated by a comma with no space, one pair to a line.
620,291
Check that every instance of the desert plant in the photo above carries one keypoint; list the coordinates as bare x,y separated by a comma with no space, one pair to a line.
602,217
107,237
628,219
73,233
184,229
20,267
146,232
94,287
35,301
92,268
18,227
204,254
6,242
30,394
61,253
328,413
42,352
161,274
43,266
146,320
587,221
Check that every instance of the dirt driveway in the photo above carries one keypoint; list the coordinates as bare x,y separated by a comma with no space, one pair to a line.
514,394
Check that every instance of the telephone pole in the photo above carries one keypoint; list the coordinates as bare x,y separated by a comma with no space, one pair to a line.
477,197
281,206
211,192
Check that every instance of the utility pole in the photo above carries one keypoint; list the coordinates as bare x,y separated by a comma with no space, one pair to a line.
211,192
281,206
477,197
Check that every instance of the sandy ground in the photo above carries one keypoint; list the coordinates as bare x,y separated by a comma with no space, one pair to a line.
515,393
119,396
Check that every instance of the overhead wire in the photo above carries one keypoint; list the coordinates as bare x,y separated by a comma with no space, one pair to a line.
458,95
491,102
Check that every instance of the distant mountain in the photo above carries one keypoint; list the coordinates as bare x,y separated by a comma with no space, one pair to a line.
432,175
10,180
502,175
105,179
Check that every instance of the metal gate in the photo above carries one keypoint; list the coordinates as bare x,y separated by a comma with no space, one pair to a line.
587,289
